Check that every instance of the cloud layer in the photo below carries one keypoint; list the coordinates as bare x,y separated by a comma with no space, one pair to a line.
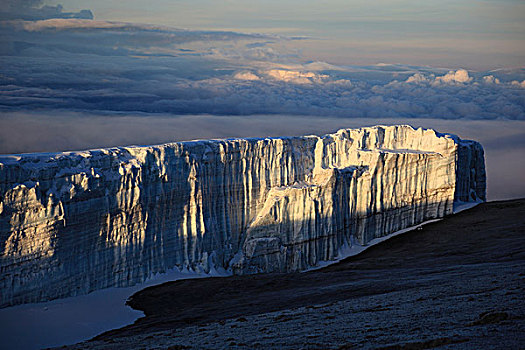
112,67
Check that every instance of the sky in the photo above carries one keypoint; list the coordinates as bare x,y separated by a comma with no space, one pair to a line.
473,34
84,67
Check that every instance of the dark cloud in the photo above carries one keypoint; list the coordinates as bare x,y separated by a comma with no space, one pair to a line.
32,10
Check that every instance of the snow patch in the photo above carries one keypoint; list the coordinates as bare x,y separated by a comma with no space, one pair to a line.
75,319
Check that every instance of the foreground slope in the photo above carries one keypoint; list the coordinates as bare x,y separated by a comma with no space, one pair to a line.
71,223
457,283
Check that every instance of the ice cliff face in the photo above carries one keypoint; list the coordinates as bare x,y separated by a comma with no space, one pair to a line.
71,223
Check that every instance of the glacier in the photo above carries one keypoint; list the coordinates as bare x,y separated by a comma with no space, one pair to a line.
75,222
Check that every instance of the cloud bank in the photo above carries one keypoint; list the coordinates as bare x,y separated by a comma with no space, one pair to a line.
120,68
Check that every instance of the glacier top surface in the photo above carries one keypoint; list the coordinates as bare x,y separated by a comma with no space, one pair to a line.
38,160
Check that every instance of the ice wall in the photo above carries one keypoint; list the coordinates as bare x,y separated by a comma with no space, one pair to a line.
74,222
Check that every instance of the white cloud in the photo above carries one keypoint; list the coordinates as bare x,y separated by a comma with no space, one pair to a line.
490,79
340,82
292,77
459,76
417,78
517,83
296,77
66,23
246,76
452,77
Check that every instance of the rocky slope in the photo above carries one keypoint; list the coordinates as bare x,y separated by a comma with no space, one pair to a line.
75,222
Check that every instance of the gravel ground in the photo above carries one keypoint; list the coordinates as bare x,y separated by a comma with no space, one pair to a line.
455,284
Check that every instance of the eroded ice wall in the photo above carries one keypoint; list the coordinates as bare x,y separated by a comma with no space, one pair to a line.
71,223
